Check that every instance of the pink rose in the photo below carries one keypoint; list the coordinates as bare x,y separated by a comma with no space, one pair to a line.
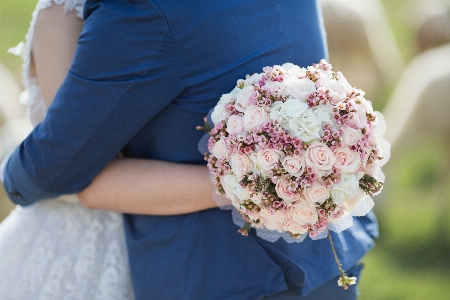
273,219
294,165
254,117
285,193
303,213
346,160
234,124
294,227
320,158
220,150
241,164
316,193
243,97
267,159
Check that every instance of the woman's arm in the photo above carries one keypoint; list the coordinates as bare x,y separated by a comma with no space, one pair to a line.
152,187
53,48
126,185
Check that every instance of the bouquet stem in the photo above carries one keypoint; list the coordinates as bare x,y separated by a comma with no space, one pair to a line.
344,280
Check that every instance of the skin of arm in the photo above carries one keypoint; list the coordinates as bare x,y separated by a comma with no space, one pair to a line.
126,185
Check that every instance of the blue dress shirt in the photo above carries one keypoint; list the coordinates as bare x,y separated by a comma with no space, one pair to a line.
144,75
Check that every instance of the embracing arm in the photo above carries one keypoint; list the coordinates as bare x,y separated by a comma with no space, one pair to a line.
142,186
127,185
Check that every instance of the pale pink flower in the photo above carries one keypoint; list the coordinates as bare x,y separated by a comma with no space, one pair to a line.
294,165
267,159
316,193
294,227
243,97
220,150
346,160
351,136
273,219
254,117
303,213
241,164
320,158
235,124
285,191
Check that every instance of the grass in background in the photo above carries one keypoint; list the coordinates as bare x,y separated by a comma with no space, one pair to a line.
15,17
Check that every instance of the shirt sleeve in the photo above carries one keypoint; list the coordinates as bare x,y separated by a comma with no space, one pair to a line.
124,73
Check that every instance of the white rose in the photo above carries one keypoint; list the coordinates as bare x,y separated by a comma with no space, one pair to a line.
233,189
346,160
220,150
351,136
294,165
275,86
219,113
320,157
253,79
257,169
366,104
345,190
284,111
294,70
360,117
350,204
307,127
325,74
337,91
254,117
299,88
241,164
235,124
348,89
304,213
243,97
272,219
268,158
227,98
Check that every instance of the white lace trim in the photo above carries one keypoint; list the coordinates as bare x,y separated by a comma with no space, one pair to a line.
31,97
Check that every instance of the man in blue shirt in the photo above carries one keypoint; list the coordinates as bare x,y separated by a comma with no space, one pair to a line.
144,75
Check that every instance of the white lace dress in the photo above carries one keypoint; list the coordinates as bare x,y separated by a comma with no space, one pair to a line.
57,249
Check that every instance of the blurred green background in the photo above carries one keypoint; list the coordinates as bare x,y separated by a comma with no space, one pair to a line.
411,260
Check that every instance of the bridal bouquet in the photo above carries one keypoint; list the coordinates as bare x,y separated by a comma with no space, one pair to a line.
296,150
